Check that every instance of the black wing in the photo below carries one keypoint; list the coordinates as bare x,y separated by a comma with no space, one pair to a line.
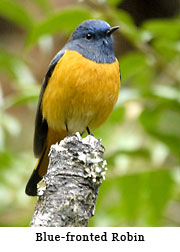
41,126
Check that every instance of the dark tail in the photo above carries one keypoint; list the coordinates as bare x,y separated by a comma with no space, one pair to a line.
31,187
38,173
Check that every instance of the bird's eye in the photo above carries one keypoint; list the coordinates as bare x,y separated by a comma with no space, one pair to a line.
89,36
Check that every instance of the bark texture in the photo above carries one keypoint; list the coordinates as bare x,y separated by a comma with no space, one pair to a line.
75,172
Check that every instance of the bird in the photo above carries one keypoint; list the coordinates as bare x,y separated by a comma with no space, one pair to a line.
79,91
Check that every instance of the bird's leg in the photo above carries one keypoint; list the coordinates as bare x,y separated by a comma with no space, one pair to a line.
67,129
88,131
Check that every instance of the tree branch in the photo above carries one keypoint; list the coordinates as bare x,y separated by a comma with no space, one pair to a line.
75,172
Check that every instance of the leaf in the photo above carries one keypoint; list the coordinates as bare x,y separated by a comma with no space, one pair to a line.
20,99
17,13
10,124
124,17
163,123
140,152
6,160
166,47
132,64
65,20
166,95
117,116
7,62
159,186
16,68
131,188
135,200
163,28
143,79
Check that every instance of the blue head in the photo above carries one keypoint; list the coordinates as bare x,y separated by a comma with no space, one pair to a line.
93,39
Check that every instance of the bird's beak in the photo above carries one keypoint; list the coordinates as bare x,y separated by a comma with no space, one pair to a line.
112,29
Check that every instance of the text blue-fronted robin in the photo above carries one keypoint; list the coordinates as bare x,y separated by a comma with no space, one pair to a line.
79,91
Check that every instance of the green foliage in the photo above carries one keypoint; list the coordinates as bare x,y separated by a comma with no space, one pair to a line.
114,2
166,36
129,69
15,67
157,121
136,200
142,136
45,5
163,28
60,21
16,13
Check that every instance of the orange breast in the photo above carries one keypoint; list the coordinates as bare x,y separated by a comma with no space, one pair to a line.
80,92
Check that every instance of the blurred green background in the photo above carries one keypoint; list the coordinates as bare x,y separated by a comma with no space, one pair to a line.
142,135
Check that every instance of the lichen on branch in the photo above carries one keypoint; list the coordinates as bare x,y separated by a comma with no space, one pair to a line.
76,170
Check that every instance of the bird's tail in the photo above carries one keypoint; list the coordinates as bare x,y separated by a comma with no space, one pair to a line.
42,164
38,172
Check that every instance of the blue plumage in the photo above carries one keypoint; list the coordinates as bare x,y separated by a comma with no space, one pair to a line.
94,41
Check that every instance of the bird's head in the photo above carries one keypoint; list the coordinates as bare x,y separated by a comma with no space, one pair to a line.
93,39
